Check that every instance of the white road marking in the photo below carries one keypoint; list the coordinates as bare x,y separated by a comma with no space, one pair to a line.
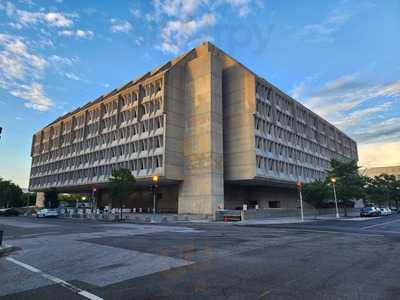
25,224
21,264
381,224
54,279
335,232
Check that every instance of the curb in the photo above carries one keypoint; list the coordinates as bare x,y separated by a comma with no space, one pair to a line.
7,249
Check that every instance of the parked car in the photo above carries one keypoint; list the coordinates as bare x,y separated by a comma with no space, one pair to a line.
385,211
369,212
47,212
8,212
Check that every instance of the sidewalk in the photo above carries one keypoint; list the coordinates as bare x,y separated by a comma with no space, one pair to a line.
297,220
6,249
271,221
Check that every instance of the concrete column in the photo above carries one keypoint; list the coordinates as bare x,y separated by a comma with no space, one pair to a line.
39,200
202,190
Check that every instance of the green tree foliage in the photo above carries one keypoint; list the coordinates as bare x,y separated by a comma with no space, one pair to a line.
121,185
51,198
349,185
29,199
71,199
316,193
10,194
383,189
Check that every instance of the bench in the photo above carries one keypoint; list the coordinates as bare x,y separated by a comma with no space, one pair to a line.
232,218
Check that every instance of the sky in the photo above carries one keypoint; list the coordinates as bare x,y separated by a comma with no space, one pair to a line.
339,58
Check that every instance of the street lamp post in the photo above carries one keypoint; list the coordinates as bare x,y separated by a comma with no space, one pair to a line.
154,187
333,180
83,198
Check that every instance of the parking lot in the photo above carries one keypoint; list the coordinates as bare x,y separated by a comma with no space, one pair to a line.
72,259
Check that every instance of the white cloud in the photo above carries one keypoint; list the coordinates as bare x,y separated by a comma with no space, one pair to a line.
120,26
19,70
177,8
347,92
63,60
88,34
72,76
35,96
366,111
55,19
354,118
243,6
9,8
177,33
183,21
324,31
16,61
14,25
135,12
384,131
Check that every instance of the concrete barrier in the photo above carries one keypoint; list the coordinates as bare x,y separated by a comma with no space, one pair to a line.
268,213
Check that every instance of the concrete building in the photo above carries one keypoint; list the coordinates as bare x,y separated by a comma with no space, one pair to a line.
217,134
376,171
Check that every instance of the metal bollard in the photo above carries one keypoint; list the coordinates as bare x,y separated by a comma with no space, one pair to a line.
1,238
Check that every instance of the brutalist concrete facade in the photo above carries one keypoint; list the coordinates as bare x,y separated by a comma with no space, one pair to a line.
202,122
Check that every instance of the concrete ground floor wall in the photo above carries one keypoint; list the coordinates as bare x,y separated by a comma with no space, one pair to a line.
235,195
263,196
167,199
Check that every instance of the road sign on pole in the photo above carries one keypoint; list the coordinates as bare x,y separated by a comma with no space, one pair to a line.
299,185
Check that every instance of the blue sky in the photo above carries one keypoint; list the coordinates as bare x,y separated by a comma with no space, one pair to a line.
340,58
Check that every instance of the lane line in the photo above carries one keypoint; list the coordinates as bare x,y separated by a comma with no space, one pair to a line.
333,232
380,224
54,279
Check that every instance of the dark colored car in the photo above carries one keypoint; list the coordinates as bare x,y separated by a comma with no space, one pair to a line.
9,212
369,212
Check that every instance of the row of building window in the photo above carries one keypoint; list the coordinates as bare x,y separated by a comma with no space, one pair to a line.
284,169
144,144
89,175
273,132
150,126
278,149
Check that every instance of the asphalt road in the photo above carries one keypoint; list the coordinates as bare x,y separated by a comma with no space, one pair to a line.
70,259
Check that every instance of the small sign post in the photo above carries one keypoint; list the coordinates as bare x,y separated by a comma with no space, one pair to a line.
299,188
93,200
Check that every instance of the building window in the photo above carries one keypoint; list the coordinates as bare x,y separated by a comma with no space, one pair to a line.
274,204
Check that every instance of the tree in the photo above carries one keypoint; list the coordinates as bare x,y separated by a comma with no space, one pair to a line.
51,198
29,199
121,185
71,199
383,189
349,183
316,193
10,194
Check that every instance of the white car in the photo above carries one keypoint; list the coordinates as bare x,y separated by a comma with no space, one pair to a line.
47,212
385,211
